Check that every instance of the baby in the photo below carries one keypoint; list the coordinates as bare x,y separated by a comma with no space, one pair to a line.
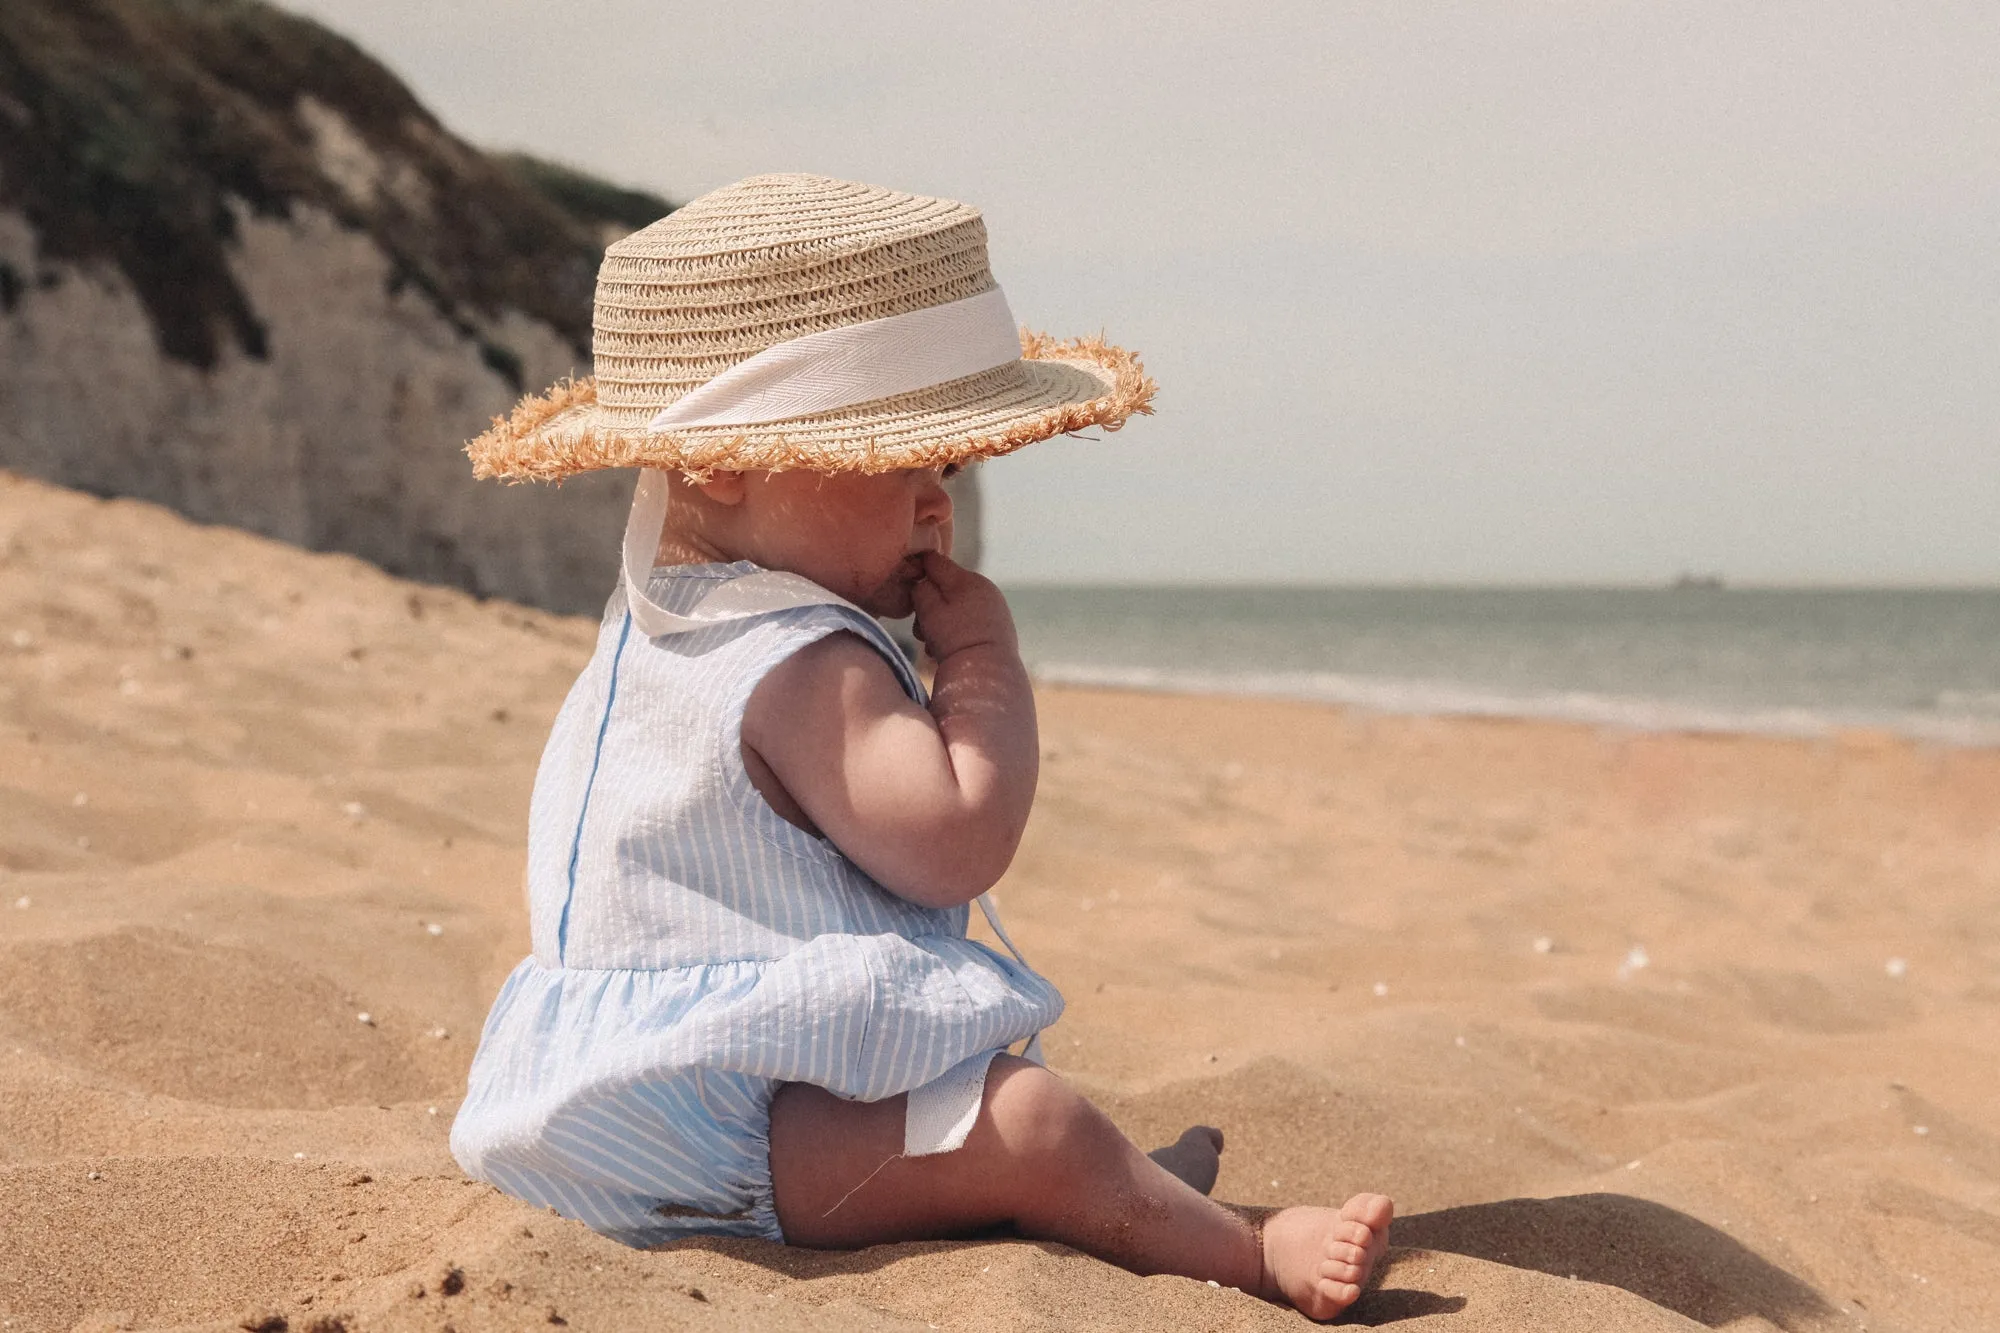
752,1007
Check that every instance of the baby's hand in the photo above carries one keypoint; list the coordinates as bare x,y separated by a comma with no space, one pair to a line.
958,610
931,801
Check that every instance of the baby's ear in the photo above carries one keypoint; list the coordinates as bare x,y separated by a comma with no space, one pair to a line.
725,488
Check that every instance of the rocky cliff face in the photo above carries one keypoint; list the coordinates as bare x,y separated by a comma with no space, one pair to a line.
245,274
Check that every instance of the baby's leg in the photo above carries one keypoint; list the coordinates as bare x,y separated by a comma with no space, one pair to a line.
1042,1159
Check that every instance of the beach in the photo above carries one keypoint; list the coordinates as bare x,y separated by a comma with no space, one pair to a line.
1641,1029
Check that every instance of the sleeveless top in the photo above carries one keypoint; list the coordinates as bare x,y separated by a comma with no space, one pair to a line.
679,923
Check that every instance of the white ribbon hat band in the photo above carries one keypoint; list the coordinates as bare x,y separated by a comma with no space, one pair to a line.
820,372
856,363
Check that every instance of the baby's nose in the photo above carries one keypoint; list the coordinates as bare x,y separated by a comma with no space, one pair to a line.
934,505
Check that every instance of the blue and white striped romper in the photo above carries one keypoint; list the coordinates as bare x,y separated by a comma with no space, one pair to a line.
693,949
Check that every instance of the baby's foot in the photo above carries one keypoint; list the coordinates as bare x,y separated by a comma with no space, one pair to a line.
1194,1157
1318,1260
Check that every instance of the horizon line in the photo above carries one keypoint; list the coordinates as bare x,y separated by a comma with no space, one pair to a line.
1509,585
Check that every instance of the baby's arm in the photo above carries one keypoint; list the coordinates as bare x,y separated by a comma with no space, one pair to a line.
931,803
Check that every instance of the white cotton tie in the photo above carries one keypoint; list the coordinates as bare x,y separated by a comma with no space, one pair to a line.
751,595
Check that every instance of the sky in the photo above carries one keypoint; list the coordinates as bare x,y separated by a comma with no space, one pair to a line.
1467,291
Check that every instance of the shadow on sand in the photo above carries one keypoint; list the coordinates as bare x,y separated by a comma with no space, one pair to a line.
1392,1305
1650,1250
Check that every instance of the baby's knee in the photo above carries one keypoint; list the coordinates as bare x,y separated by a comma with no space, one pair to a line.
1039,1117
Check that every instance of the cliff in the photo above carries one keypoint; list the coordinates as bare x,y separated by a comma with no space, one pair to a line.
244,273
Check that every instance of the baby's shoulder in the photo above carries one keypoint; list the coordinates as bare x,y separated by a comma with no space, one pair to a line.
834,683
833,669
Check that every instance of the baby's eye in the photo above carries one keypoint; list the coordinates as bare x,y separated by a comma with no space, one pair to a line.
953,469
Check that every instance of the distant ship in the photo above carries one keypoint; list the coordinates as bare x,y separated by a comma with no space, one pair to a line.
1687,582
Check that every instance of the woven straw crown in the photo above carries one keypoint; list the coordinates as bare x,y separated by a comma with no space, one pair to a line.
774,258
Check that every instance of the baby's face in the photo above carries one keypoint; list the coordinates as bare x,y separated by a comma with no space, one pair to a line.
858,535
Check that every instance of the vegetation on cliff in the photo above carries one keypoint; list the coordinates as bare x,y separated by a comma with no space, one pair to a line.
131,132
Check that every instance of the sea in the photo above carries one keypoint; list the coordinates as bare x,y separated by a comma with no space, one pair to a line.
1921,662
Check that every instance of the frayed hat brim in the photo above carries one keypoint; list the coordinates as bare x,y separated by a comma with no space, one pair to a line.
1058,386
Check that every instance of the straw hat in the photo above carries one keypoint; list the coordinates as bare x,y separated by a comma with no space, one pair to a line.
787,265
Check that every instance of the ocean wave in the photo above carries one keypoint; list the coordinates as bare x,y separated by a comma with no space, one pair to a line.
1968,718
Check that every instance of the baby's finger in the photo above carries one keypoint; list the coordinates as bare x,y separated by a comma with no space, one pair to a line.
942,570
925,597
930,607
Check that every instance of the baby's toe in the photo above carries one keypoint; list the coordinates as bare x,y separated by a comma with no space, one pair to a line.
1374,1211
1330,1298
1346,1252
1352,1233
1342,1270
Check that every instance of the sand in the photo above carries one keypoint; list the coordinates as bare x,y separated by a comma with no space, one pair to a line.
1611,1015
